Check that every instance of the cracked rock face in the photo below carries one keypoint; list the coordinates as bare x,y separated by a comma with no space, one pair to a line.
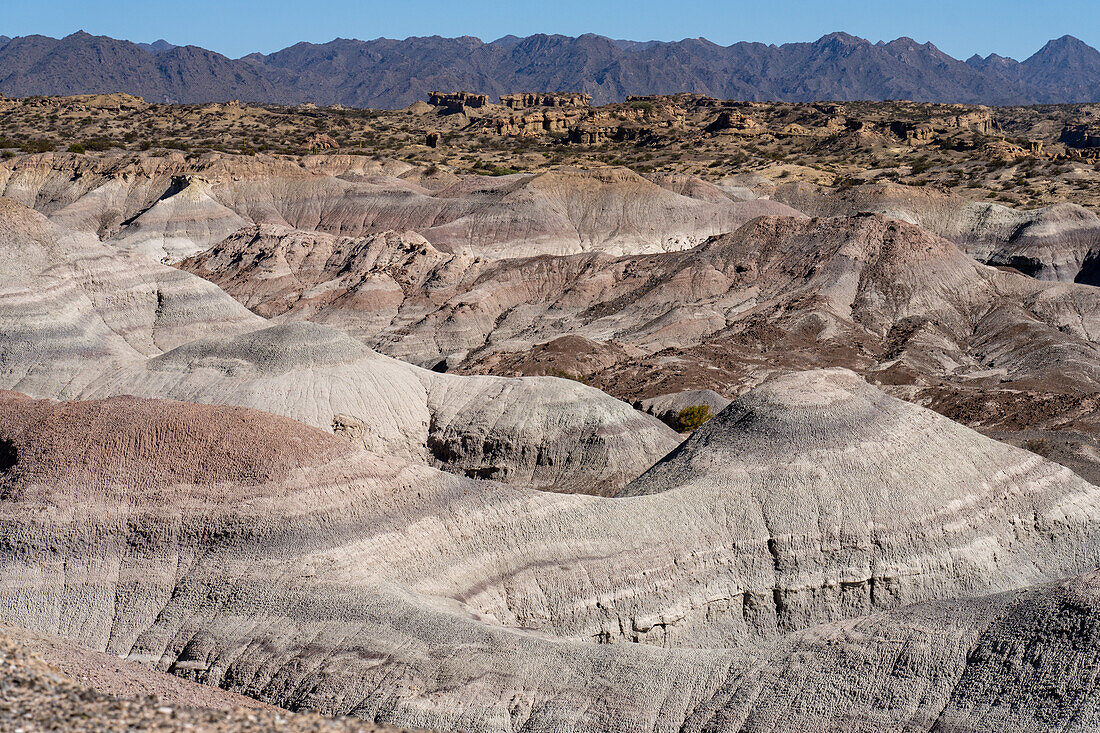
803,523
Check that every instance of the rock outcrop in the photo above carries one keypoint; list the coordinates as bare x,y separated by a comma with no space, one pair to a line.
255,498
320,141
545,99
186,220
458,102
734,122
51,684
534,122
1082,136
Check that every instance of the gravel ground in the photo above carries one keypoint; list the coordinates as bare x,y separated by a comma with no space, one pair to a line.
36,696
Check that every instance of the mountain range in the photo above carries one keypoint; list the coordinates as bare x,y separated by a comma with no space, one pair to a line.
385,73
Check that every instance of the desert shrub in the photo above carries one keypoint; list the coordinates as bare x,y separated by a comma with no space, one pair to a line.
9,455
77,148
562,374
98,144
496,171
36,146
919,166
1039,446
647,107
693,418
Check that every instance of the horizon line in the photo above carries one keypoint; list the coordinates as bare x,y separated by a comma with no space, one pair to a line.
880,42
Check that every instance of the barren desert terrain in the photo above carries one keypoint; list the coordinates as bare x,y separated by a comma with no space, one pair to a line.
671,414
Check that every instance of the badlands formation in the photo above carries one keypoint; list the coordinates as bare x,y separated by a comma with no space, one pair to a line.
370,439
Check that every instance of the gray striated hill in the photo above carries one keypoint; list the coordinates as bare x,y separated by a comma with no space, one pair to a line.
822,557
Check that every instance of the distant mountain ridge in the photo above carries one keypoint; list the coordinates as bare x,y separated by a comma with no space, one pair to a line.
157,46
387,73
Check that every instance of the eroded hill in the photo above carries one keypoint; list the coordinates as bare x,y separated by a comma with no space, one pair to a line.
342,434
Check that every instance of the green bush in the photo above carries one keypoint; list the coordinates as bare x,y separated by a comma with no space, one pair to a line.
495,171
36,146
693,418
98,144
77,148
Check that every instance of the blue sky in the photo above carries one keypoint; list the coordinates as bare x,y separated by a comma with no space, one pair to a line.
960,27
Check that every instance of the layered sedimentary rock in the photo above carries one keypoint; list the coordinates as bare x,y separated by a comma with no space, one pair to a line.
973,664
246,493
83,320
543,433
1081,135
71,309
999,351
1057,242
567,211
160,203
184,221
458,102
351,582
866,292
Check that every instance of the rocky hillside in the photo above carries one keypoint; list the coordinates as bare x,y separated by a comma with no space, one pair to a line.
390,73
339,433
640,286
52,684
818,540
1027,156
